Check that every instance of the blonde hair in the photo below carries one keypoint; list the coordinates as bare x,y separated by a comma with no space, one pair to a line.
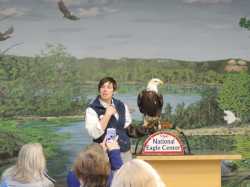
30,165
137,173
92,166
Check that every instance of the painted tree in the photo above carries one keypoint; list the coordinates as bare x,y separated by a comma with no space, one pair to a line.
48,84
167,112
244,23
235,94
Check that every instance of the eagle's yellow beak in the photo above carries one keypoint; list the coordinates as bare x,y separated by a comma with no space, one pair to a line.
161,82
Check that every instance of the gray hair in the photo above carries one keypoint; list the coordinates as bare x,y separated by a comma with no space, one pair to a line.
137,173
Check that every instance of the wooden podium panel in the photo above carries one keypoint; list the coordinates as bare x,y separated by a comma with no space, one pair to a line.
189,170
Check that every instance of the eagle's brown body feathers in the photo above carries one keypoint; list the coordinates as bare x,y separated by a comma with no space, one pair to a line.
150,103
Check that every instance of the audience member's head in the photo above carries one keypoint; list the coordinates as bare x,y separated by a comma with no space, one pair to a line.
30,163
137,173
30,166
92,166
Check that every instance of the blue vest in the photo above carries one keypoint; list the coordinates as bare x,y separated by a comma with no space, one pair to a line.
123,140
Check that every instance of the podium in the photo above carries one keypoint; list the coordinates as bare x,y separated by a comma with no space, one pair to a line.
189,170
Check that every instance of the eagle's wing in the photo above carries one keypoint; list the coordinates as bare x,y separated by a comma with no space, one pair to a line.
139,101
156,101
9,31
73,17
63,8
160,100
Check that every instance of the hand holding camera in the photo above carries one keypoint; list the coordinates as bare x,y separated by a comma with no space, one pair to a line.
111,139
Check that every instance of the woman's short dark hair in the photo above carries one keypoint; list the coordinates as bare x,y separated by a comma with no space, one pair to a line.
107,79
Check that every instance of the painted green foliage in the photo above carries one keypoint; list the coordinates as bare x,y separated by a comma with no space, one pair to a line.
205,113
244,23
235,94
45,85
13,135
54,82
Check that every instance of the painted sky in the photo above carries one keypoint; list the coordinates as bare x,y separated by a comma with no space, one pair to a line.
177,29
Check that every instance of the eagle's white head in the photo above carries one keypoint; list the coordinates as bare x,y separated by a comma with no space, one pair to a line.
153,84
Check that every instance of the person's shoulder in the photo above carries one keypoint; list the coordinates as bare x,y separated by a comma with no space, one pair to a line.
94,103
47,183
7,173
3,183
71,174
72,180
90,111
118,101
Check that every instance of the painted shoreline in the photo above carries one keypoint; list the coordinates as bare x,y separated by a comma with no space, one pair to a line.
218,131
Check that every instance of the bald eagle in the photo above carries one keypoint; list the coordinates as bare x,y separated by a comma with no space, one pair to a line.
150,103
7,34
66,13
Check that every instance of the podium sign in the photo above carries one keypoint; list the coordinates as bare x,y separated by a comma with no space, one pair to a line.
163,143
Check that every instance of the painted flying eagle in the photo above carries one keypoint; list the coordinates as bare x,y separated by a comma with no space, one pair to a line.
150,103
7,34
66,13
230,117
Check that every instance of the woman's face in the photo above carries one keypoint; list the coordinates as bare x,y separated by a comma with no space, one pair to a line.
106,91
